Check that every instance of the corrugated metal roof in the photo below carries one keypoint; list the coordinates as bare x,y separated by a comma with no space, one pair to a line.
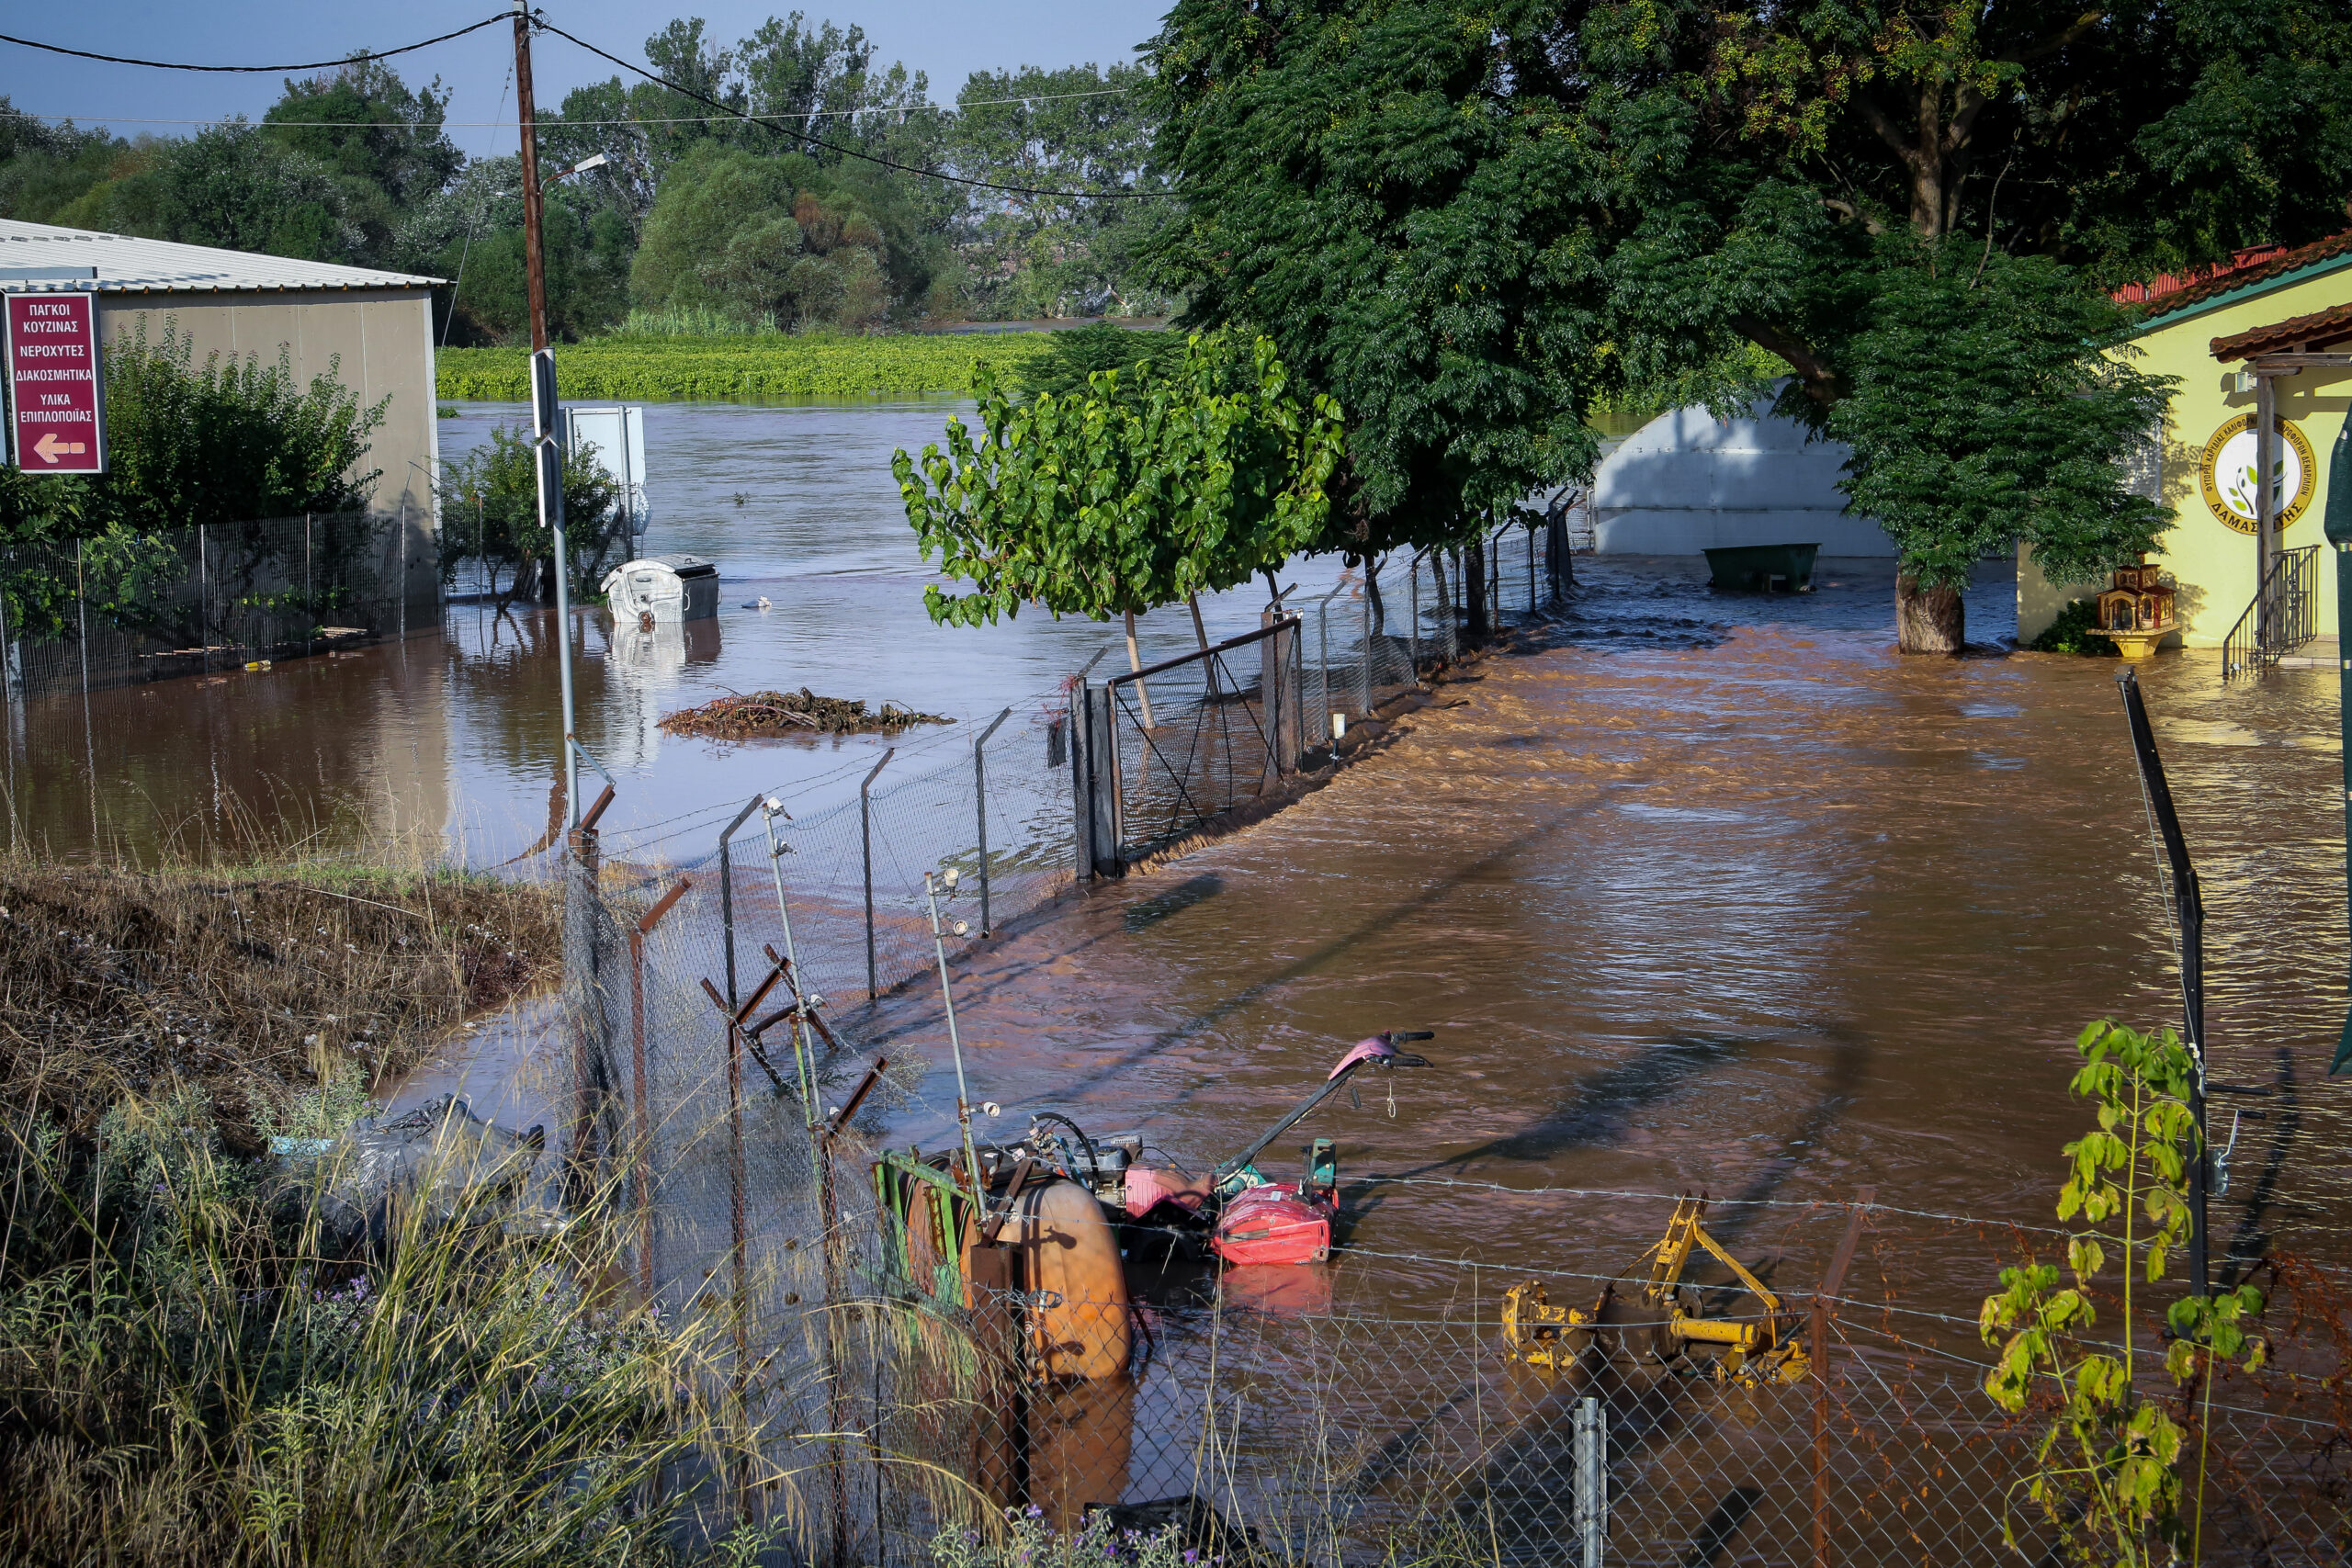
127,265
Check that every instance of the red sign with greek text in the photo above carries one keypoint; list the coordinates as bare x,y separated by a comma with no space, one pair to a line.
56,410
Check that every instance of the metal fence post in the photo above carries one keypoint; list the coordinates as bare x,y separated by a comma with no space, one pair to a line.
1413,632
727,890
1591,1482
1081,775
203,601
1531,569
1323,657
1363,666
865,837
980,800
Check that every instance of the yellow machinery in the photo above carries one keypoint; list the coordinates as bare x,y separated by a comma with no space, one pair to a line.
1755,1348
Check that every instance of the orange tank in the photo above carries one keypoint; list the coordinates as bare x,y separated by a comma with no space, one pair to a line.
1066,1257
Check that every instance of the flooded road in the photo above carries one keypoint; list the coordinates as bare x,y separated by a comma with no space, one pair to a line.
445,742
1705,893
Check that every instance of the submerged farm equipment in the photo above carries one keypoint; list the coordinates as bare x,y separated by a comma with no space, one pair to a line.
1658,1306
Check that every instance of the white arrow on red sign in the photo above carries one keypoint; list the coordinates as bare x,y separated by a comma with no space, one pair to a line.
49,448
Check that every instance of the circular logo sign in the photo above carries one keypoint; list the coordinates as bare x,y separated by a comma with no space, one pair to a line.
2227,469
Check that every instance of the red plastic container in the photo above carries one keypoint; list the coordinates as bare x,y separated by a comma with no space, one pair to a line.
1275,1224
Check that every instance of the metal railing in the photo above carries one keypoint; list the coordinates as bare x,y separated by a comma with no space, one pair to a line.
2282,616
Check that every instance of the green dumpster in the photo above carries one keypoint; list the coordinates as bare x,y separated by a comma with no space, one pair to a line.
1761,568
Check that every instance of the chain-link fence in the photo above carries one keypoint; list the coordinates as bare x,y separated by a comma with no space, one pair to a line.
126,607
916,1365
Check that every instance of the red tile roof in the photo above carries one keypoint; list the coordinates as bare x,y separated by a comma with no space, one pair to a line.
2248,269
2317,331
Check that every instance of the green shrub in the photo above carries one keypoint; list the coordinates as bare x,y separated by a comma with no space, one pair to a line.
2072,632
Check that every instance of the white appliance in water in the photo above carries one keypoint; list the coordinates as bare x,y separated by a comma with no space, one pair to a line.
668,588
618,436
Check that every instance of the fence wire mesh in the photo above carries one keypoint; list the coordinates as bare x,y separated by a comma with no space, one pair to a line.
1377,1408
125,608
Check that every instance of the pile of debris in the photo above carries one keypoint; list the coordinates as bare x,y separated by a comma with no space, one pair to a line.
758,716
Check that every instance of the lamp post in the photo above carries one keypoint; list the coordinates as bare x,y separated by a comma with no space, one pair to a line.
2338,526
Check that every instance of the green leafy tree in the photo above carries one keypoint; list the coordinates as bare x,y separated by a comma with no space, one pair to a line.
775,239
381,141
2108,1474
490,510
1981,409
1808,177
1146,489
231,186
1079,129
1399,192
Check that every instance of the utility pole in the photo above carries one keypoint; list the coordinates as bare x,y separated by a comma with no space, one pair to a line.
546,446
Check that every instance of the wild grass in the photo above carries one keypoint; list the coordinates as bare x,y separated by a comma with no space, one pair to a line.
189,1376
736,365
201,1362
239,983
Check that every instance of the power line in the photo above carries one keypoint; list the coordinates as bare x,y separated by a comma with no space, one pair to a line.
749,118
633,120
262,70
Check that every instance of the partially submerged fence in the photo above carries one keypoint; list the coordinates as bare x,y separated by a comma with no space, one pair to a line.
1379,1409
128,607
1161,752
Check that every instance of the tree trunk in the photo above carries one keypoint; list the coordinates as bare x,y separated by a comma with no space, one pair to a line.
1473,588
1928,620
1372,591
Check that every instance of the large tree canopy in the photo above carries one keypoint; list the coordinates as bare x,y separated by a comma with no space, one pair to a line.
1392,192
1453,212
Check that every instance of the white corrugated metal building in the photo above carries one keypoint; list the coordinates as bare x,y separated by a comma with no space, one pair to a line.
1688,482
379,324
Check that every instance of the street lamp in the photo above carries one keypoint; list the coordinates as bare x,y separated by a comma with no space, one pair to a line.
594,161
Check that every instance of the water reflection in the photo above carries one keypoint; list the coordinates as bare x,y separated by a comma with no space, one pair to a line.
448,739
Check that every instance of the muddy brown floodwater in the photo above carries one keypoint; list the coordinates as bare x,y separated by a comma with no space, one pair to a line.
1716,893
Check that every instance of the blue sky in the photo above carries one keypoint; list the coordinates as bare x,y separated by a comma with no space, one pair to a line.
947,39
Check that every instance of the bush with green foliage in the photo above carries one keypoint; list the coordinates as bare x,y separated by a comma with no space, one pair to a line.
1148,488
2072,633
490,514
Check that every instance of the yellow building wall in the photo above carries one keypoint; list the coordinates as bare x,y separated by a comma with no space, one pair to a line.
2214,563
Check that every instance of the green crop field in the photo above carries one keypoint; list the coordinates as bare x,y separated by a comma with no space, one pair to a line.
655,369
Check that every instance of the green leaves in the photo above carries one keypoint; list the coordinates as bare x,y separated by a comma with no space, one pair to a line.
1136,494
2107,1479
1982,406
1402,195
231,440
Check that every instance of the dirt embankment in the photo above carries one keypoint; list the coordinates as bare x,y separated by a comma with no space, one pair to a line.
114,983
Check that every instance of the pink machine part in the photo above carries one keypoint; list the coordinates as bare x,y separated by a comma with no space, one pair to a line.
1147,1187
1275,1224
1373,1049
